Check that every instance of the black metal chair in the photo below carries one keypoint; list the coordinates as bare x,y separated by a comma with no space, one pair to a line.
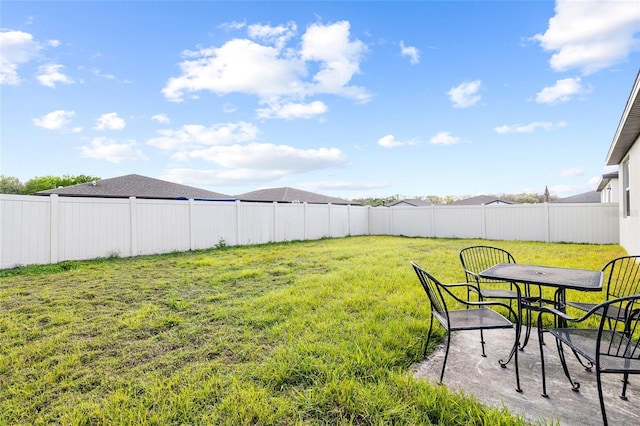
475,316
621,279
476,259
612,348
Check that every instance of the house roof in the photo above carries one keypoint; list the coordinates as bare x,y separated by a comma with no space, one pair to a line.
481,199
290,195
411,202
585,197
134,186
605,179
628,129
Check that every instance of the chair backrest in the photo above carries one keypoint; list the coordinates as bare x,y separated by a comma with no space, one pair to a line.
618,337
622,277
432,288
476,259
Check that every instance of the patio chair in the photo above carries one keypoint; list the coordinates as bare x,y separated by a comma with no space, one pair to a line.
621,279
476,259
612,347
475,316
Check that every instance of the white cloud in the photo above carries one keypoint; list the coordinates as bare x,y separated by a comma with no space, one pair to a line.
562,91
233,25
256,163
16,48
281,159
161,118
110,121
278,36
54,120
106,149
275,73
465,94
389,141
529,128
101,74
53,43
338,59
444,138
412,52
220,177
49,75
293,110
572,172
195,135
591,35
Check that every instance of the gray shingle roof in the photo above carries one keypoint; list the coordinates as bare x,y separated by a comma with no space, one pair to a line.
481,199
585,197
134,186
290,195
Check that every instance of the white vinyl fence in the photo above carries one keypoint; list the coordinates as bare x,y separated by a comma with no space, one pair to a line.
41,230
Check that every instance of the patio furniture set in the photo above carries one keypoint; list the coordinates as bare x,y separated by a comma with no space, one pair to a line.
502,294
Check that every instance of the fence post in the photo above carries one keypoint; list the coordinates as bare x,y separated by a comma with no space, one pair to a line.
484,221
275,220
547,223
433,220
133,217
192,231
304,220
53,223
238,222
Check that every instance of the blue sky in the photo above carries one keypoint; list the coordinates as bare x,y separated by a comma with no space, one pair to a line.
348,99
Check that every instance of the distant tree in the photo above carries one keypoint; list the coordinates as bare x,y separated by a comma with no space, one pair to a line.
10,185
43,183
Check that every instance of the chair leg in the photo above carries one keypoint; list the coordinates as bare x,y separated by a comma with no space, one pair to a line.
575,386
482,343
544,377
625,382
446,355
602,409
426,345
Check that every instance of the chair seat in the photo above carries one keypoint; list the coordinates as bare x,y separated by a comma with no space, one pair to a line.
612,312
613,356
475,319
498,294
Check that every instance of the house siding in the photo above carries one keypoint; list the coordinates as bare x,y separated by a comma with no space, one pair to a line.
630,226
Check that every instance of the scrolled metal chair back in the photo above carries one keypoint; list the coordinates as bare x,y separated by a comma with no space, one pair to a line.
622,276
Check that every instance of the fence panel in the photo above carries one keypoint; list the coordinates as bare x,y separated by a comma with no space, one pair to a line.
338,221
317,221
161,226
380,221
213,222
89,228
25,230
458,222
289,222
525,222
412,221
359,217
256,223
592,223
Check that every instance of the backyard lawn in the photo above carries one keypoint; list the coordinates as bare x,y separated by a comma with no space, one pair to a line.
317,332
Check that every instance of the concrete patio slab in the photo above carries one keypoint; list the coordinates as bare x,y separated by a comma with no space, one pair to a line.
484,379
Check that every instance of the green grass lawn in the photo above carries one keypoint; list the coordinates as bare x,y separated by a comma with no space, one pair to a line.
320,332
